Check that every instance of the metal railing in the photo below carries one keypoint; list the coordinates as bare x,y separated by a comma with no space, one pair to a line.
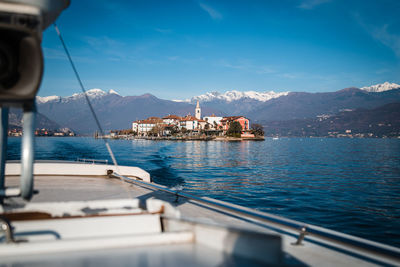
26,189
93,161
302,228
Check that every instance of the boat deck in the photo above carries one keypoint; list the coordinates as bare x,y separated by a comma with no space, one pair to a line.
312,252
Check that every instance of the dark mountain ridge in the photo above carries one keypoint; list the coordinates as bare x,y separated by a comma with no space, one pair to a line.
15,121
308,105
383,121
118,112
113,111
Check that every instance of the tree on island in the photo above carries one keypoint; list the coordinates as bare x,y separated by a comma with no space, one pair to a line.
126,132
235,129
173,129
257,129
157,130
184,131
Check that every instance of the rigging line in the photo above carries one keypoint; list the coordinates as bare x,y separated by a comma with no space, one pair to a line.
86,96
123,184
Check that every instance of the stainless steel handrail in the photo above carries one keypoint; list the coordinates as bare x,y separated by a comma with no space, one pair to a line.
28,152
3,147
311,230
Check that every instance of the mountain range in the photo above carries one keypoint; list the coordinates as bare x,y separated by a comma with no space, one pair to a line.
113,110
308,105
118,112
383,121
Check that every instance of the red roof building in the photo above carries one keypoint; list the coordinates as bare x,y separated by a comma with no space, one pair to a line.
244,122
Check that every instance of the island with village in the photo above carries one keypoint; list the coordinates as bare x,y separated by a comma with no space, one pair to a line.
173,127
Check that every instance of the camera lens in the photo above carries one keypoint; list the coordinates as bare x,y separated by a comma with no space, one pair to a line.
8,65
21,64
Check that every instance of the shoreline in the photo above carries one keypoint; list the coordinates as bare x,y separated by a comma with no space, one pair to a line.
188,138
215,138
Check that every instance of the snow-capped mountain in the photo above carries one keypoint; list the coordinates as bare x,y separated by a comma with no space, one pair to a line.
234,102
386,86
45,99
118,112
113,111
92,93
234,95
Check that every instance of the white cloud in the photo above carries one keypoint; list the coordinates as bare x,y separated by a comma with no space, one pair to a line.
115,50
102,41
59,54
382,71
289,75
164,31
391,40
214,14
247,65
266,70
51,53
173,58
310,4
381,34
239,66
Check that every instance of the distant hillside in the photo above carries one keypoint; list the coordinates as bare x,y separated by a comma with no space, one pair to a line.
114,111
272,105
309,105
15,121
378,122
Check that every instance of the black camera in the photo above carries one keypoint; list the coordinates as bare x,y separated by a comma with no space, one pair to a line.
21,59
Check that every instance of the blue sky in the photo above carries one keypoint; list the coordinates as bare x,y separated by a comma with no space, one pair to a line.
178,49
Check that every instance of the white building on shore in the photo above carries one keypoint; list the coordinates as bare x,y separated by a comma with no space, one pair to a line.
213,120
171,119
189,123
143,127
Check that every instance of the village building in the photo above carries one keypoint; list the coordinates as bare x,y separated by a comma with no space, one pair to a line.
143,127
213,121
213,125
244,122
135,126
171,119
17,132
202,124
189,123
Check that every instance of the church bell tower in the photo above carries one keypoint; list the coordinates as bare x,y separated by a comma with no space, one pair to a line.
198,111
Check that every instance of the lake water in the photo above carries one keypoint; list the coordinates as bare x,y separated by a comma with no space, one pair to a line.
349,185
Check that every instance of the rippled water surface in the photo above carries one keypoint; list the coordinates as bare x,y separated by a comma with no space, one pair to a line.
349,185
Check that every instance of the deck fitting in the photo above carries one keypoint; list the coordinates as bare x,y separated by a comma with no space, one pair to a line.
6,227
303,233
